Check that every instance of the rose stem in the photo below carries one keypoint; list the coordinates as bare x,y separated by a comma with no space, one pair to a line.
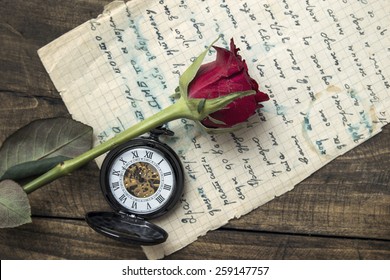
175,111
183,108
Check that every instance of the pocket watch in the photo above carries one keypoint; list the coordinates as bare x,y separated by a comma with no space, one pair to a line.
141,180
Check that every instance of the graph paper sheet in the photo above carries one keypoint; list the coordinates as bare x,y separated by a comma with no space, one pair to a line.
325,65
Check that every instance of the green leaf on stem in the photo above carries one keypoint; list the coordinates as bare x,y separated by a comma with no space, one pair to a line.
32,168
216,121
212,105
201,105
14,205
44,139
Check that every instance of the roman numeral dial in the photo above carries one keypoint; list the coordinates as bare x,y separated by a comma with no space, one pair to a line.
142,179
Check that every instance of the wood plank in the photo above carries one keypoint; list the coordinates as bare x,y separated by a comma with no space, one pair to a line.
61,239
41,23
266,246
26,90
73,239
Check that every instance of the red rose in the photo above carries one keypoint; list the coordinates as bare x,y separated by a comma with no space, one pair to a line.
227,74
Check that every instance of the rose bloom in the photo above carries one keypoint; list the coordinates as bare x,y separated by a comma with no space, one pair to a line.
227,74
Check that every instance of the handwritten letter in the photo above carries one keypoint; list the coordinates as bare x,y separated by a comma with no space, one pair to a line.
325,65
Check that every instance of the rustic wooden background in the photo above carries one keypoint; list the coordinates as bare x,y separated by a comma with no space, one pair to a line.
340,212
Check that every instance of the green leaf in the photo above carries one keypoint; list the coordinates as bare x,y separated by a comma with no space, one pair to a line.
46,138
210,106
14,205
222,130
201,105
215,121
32,168
190,73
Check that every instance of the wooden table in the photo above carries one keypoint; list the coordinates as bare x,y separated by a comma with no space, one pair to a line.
340,212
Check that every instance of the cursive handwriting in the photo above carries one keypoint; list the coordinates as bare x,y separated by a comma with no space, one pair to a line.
296,52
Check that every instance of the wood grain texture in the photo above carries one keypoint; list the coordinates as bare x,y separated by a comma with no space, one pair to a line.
340,212
73,239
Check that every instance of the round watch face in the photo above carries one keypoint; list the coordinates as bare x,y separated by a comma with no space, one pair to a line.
141,179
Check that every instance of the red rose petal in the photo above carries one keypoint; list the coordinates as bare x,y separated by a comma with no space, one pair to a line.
227,74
